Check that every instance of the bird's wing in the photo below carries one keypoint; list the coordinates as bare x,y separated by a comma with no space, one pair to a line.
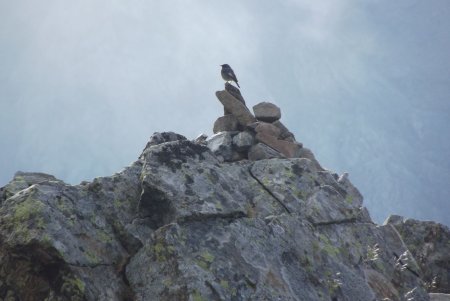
232,75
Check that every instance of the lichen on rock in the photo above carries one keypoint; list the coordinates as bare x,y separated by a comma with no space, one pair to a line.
188,221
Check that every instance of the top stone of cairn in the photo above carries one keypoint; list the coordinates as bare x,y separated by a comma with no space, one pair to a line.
267,112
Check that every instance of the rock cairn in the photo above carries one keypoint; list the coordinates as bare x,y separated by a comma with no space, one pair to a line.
239,134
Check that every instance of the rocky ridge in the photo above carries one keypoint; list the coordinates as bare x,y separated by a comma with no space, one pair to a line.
247,214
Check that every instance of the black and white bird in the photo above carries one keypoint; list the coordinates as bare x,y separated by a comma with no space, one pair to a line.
228,74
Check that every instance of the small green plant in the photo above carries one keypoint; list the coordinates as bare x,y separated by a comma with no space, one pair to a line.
334,283
432,285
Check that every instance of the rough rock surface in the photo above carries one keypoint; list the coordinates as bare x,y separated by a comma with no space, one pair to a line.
235,107
235,92
429,242
266,111
226,123
180,224
243,141
288,149
261,151
268,129
221,145
439,297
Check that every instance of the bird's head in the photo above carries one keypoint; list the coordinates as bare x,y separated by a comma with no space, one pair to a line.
225,65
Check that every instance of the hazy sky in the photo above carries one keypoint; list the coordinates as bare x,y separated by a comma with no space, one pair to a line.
364,84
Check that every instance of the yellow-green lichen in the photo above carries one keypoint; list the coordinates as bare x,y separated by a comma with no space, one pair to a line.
324,238
208,257
46,240
202,264
224,284
196,296
64,206
315,246
328,247
300,194
204,260
73,287
103,236
27,209
219,206
266,182
161,251
91,257
26,218
331,250
158,250
167,282
118,203
349,199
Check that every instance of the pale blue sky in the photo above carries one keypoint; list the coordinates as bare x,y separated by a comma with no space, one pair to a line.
364,84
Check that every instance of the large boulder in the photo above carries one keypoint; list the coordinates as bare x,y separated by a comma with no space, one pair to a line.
62,242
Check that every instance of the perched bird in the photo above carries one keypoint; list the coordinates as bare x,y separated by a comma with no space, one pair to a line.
228,74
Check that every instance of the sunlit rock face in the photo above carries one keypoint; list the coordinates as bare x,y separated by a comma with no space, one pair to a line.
204,220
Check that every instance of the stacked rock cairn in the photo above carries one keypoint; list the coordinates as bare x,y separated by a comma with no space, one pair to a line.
240,135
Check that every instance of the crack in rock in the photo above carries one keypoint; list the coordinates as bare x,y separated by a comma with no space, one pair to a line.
267,189
211,216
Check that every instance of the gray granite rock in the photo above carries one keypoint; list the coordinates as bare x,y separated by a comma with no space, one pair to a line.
158,138
201,139
62,242
243,141
266,111
221,145
23,180
309,195
179,224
